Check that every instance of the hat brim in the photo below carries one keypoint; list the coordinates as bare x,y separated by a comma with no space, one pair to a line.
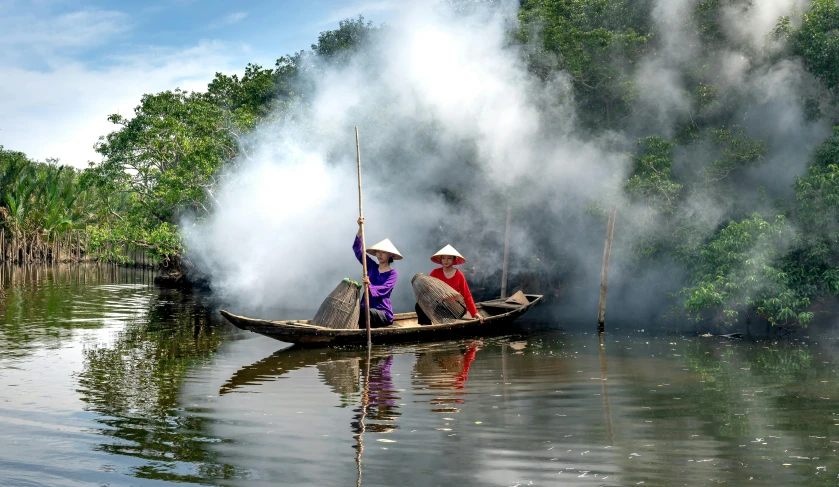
384,246
372,252
458,260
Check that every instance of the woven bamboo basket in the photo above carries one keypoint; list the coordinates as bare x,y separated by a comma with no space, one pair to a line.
340,309
439,300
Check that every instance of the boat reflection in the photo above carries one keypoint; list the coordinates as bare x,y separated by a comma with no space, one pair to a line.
339,369
442,374
439,371
364,380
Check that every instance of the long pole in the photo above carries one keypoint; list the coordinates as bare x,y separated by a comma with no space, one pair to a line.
506,255
363,245
604,272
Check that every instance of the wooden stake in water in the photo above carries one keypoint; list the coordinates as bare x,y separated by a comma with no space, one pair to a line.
604,273
506,255
363,245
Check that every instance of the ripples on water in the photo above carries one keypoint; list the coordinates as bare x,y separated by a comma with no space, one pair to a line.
109,381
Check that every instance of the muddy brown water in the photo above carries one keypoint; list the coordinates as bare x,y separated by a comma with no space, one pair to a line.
107,380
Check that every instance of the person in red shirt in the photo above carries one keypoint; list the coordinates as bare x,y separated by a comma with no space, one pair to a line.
448,257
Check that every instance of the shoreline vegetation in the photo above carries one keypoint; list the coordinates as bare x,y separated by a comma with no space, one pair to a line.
772,256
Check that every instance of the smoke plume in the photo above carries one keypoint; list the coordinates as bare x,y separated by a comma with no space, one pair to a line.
453,130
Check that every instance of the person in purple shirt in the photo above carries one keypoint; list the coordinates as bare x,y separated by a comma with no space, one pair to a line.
380,278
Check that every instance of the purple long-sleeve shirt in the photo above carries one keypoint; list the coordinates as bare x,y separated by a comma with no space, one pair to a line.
381,283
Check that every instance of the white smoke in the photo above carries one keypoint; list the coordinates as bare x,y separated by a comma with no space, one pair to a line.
752,24
443,101
436,91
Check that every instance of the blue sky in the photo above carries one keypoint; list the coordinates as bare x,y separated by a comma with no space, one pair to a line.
65,65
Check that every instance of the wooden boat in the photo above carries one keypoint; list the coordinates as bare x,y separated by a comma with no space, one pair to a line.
497,313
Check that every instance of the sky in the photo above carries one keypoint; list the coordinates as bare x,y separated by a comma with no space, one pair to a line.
65,65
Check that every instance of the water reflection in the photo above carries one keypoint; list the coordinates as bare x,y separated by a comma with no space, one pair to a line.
116,382
48,306
380,401
604,377
442,374
133,384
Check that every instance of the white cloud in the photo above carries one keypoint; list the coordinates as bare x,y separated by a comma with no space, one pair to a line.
230,19
62,112
55,104
24,36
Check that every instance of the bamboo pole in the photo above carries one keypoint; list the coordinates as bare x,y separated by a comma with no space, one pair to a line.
363,245
604,272
506,255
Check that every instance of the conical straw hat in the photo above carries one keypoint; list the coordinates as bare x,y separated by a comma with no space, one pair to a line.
448,250
386,246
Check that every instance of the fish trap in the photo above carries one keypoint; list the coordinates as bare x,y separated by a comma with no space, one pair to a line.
340,309
440,302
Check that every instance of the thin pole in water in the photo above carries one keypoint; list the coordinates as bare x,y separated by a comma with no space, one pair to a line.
363,245
604,272
506,255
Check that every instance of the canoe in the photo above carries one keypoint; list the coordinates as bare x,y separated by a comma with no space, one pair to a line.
497,313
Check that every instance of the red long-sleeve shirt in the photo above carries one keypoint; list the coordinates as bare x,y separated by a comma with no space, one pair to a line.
458,283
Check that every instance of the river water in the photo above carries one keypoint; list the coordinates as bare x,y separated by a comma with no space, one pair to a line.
109,381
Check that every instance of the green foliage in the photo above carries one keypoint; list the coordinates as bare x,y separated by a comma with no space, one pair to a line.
339,45
592,41
245,101
817,41
740,271
817,193
164,160
813,265
738,150
40,204
651,179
